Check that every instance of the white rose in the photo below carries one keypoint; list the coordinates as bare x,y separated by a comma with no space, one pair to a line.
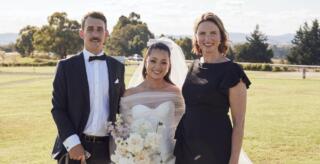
135,143
115,158
126,161
152,141
142,158
142,126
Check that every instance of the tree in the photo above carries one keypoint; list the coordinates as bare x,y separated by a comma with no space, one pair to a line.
186,46
43,38
24,43
241,52
231,54
129,36
255,49
306,45
61,36
280,51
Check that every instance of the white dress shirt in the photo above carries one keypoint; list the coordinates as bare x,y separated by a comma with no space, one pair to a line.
98,81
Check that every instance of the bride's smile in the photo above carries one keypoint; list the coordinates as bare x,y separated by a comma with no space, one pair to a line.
157,64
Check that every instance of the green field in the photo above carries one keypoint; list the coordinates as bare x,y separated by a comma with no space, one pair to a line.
282,123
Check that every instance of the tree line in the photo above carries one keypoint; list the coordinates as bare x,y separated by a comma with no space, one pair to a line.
130,36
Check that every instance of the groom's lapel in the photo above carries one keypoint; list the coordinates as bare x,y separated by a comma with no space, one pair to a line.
83,81
112,78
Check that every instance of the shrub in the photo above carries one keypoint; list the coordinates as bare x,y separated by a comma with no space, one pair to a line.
266,67
286,69
276,69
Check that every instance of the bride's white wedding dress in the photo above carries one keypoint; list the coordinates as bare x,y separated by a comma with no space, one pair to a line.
164,107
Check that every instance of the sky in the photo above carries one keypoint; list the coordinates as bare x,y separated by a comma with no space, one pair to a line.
169,17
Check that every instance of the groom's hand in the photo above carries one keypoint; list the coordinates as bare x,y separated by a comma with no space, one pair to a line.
77,152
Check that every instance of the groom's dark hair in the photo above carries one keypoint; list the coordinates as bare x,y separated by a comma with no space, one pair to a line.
96,15
159,46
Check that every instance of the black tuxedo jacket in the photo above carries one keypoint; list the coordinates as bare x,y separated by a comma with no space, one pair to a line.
70,97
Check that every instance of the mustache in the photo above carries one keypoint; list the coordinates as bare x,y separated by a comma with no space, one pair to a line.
95,39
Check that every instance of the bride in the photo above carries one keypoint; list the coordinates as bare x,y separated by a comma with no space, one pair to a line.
155,93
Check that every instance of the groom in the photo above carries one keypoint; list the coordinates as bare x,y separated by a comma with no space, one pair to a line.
86,93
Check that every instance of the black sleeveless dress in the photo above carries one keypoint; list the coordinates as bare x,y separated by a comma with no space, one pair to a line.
204,132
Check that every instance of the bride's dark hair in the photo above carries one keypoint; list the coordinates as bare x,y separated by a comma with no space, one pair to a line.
159,46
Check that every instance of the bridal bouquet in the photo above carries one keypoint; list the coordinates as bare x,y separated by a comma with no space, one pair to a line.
137,144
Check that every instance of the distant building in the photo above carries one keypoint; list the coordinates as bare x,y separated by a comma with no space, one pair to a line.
135,57
121,59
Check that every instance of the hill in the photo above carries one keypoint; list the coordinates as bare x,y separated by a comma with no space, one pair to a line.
236,38
6,38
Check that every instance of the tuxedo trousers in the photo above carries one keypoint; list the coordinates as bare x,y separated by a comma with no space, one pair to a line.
99,153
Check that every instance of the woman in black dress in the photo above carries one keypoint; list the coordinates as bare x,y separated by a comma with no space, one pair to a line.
214,84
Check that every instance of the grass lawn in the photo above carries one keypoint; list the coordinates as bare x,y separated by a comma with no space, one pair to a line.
282,123
282,118
34,70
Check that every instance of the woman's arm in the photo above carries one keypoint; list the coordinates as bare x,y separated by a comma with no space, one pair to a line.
238,99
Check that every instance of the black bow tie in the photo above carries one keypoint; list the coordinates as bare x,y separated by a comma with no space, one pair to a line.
101,57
